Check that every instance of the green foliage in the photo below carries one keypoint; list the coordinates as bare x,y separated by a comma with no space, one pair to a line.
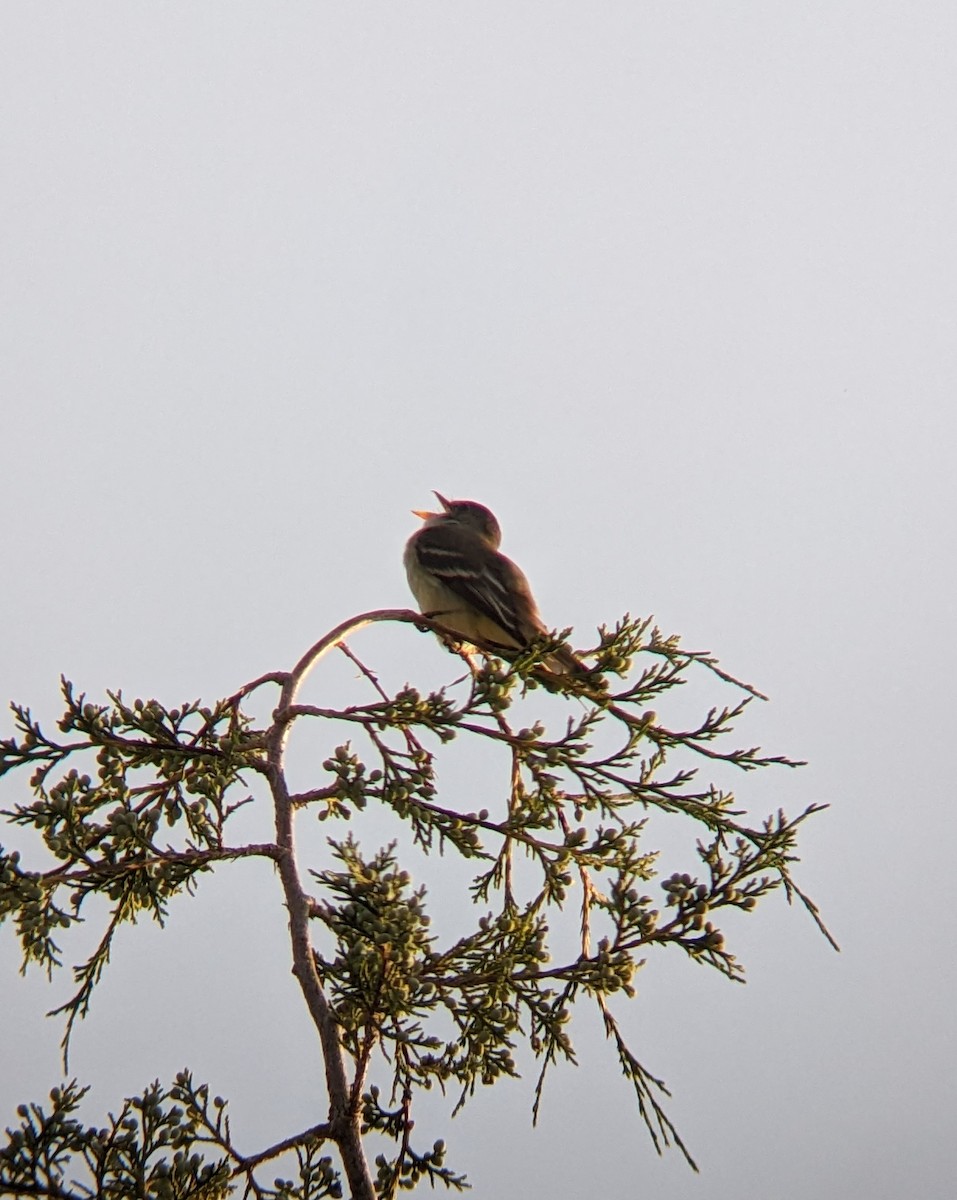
152,1148
396,1009
156,772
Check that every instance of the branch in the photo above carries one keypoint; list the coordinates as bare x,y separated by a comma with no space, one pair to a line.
127,866
318,1133
343,1116
330,640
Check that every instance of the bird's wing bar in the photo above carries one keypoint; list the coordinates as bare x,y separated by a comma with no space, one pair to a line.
486,580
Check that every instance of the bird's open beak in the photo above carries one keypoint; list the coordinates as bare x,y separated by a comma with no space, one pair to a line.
424,515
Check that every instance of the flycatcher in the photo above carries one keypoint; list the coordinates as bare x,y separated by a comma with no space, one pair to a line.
459,578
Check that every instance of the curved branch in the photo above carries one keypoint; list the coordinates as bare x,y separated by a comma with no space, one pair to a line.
343,1125
329,641
344,1116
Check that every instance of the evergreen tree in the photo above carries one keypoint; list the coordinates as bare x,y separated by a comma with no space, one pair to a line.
134,800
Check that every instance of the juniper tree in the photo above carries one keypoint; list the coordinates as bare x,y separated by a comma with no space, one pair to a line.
134,802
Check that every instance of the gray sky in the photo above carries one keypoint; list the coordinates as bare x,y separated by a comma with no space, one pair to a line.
671,287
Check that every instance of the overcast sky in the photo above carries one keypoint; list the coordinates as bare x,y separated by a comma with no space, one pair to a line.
672,288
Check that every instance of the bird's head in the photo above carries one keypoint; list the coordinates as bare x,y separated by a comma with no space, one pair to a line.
468,513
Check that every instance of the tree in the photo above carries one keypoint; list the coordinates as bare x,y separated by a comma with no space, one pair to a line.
395,1010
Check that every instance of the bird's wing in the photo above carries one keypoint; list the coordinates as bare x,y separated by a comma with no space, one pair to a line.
486,580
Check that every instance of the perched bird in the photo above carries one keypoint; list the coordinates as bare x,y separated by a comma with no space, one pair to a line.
459,578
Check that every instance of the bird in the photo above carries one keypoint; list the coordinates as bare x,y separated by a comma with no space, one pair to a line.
459,577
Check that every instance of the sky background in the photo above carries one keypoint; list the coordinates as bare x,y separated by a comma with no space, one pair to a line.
672,288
